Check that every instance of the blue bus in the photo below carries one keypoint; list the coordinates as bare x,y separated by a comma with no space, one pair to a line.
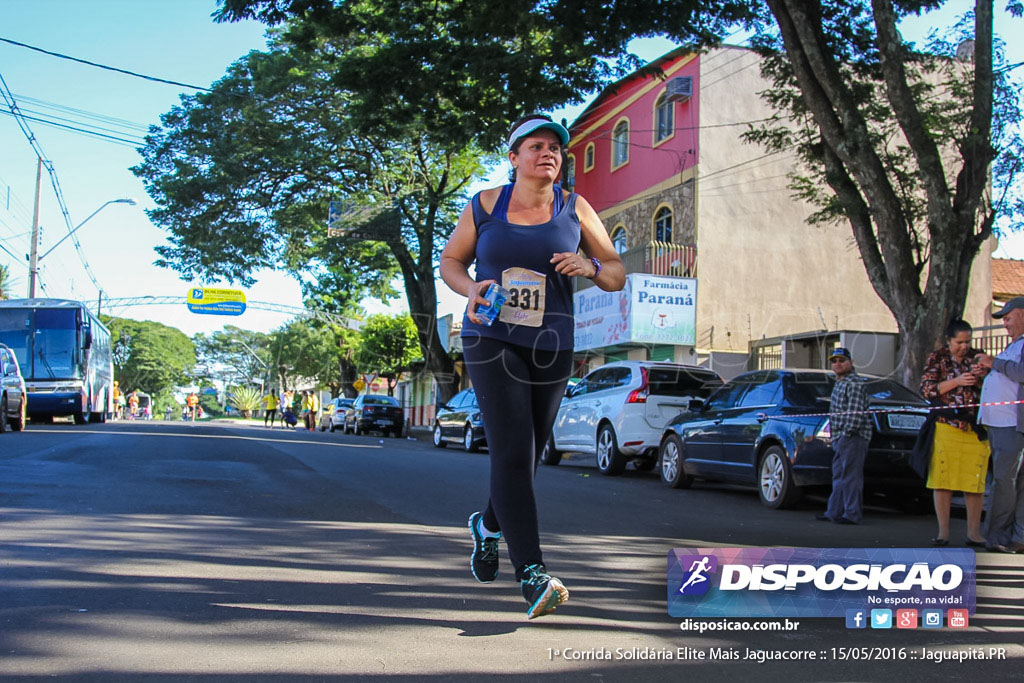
65,358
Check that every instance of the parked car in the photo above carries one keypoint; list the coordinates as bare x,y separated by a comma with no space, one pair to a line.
770,429
372,412
12,392
458,421
619,411
333,414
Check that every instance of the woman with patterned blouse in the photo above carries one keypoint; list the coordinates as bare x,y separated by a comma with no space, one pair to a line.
959,456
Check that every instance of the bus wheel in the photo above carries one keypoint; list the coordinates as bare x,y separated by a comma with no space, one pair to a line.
82,417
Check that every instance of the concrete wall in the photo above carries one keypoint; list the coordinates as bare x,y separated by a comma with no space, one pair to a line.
763,271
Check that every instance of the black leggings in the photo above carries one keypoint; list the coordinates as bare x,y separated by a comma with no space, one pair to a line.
519,390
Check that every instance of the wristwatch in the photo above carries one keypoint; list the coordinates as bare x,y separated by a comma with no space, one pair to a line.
597,267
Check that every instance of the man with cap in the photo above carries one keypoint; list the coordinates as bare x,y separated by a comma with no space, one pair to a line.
1004,525
851,432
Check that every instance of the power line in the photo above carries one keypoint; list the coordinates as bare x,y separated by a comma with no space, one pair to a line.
12,104
104,66
85,113
47,122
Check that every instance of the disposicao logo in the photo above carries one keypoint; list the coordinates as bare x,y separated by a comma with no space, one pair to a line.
784,582
697,581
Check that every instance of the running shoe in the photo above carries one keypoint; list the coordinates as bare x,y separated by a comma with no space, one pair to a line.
484,561
542,592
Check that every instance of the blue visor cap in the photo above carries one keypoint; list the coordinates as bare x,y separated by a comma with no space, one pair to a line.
841,352
537,124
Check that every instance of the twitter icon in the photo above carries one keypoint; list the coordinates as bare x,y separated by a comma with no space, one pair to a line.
881,618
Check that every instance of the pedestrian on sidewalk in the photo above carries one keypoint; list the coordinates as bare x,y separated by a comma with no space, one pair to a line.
851,431
1004,525
526,237
270,402
960,452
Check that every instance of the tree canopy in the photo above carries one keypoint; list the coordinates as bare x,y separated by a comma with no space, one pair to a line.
388,345
917,153
149,356
243,175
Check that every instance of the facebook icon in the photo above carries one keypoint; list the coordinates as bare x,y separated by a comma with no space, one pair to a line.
856,618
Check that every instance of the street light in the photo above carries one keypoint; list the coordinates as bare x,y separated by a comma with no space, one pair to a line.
34,259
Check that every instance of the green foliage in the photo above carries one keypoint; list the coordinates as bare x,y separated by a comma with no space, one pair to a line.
304,350
210,406
233,355
242,177
388,344
463,69
148,356
5,282
246,398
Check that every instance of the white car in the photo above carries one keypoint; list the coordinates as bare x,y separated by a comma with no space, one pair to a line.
619,411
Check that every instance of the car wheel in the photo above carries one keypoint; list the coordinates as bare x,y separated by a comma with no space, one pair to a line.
3,414
18,423
355,428
550,455
468,443
438,441
610,461
775,479
672,471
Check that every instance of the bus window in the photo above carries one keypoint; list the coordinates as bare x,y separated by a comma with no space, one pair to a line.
14,332
56,343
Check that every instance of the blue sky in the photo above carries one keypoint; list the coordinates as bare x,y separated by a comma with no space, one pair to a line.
171,39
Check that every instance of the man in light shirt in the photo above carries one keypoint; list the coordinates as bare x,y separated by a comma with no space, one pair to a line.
1005,521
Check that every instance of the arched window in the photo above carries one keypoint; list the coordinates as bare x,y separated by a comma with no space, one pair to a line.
588,157
619,239
620,144
663,225
664,119
570,171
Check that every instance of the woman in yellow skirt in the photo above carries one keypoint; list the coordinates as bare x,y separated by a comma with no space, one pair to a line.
959,459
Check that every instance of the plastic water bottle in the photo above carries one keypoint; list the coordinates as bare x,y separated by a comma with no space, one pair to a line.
496,296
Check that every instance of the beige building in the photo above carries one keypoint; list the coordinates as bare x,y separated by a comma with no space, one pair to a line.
762,272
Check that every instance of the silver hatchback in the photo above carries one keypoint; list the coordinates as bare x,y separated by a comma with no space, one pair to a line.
12,392
619,411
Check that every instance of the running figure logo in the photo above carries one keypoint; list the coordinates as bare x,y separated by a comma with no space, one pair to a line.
696,581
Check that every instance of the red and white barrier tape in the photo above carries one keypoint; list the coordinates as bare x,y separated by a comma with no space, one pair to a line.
904,409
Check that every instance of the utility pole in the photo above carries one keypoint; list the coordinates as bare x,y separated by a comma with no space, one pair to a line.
33,259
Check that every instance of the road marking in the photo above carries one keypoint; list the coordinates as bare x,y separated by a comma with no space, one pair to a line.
201,436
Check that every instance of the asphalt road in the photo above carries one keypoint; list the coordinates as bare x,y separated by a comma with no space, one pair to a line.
221,552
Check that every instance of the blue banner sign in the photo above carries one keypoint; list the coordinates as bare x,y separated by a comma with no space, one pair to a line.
817,582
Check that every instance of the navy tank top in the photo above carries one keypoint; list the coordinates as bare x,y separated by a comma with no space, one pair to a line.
501,246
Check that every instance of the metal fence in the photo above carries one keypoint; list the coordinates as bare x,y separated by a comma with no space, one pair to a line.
656,258
991,339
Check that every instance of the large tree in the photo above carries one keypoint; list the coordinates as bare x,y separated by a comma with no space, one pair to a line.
897,143
911,181
387,346
233,356
242,177
313,351
149,356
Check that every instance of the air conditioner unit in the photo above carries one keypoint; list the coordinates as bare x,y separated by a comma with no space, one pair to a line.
679,89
